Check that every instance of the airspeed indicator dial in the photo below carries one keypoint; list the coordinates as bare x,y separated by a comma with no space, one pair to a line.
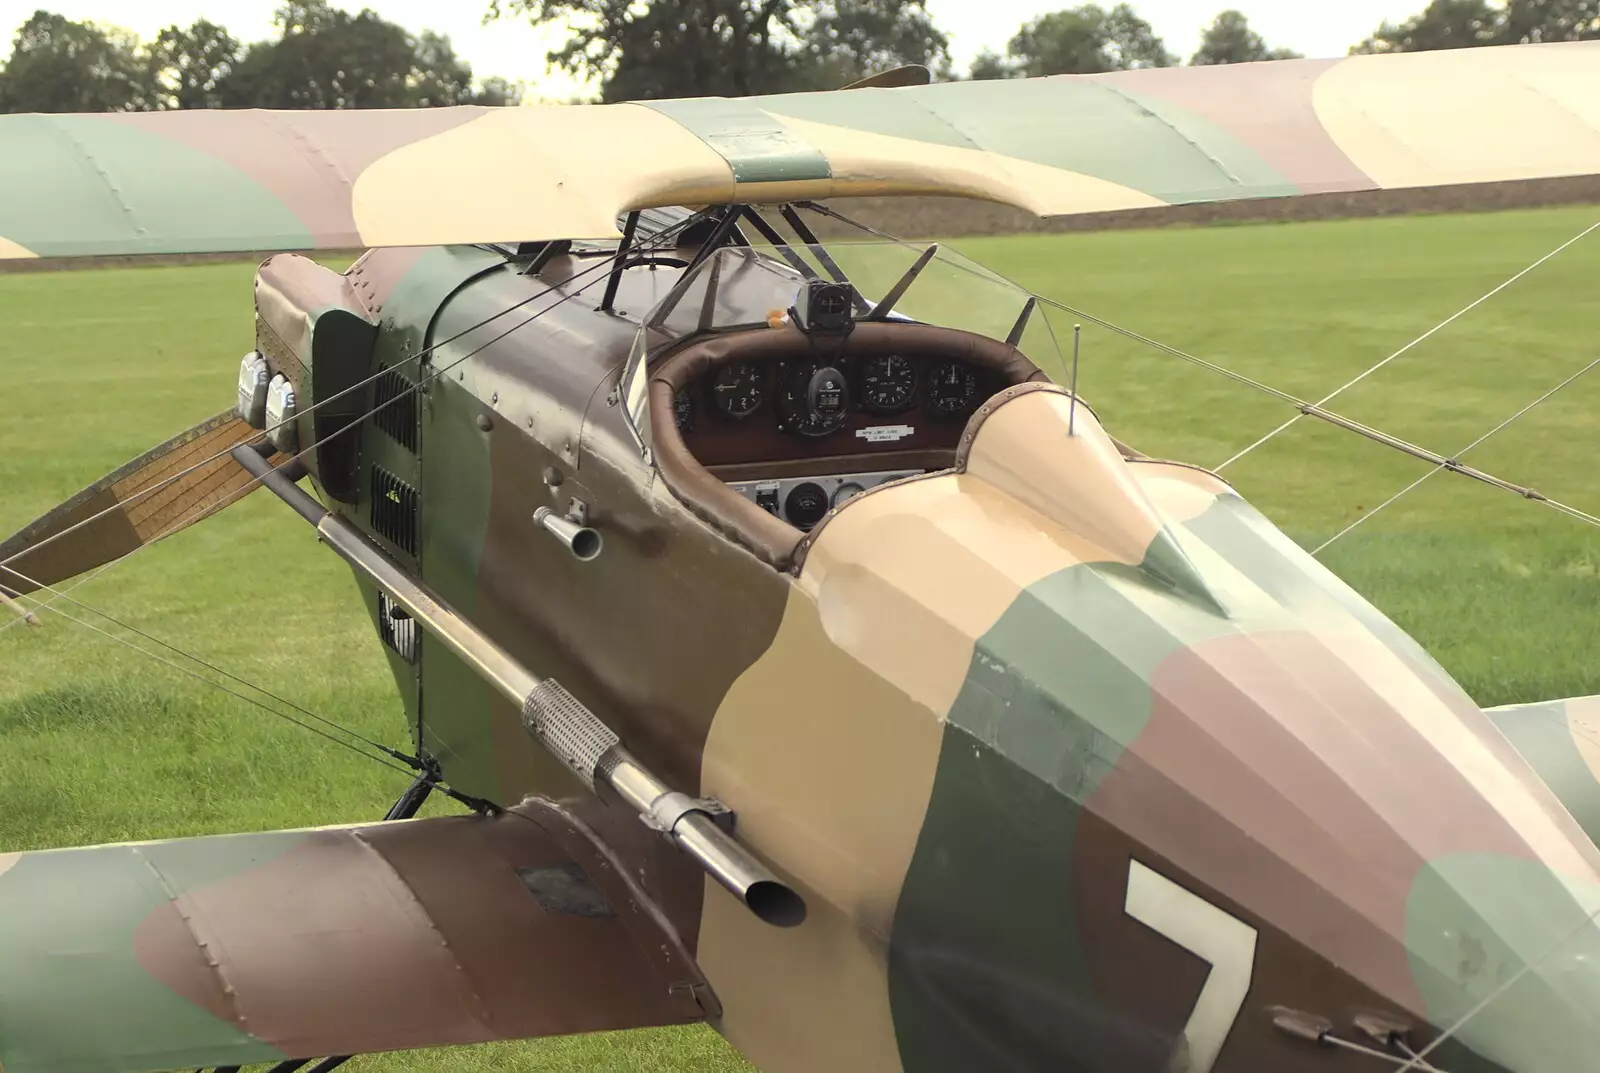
738,389
888,383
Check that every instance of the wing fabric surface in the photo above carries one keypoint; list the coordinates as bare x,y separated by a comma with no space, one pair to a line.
179,182
239,949
132,506
1560,739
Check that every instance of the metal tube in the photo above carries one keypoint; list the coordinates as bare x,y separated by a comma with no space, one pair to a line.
632,782
682,819
624,248
697,834
1072,411
886,305
729,863
487,659
820,252
584,543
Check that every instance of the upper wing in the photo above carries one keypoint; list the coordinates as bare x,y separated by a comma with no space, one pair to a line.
238,949
178,182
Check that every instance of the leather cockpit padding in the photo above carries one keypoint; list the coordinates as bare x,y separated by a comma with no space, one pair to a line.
963,450
969,435
771,539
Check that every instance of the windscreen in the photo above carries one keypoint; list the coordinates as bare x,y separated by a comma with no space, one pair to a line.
745,287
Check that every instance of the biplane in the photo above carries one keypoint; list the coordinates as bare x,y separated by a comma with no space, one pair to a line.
813,661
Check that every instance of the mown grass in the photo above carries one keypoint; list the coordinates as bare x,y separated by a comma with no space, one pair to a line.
98,743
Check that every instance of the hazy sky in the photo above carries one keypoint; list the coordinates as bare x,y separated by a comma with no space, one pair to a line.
517,51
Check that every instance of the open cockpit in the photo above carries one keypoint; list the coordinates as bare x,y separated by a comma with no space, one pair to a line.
771,384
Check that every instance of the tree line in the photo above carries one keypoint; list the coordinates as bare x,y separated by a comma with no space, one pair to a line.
324,57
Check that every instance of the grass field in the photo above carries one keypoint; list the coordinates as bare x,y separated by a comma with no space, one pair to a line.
101,744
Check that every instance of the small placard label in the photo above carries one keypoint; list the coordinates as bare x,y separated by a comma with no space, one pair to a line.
885,433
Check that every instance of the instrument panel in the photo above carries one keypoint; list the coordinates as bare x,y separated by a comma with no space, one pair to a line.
805,501
754,410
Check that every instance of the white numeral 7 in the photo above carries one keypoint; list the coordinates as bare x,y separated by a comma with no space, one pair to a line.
1225,942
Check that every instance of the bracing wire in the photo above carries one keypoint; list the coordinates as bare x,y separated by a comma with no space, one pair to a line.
1338,421
651,241
207,665
57,594
1306,409
191,673
1372,1052
1424,337
1502,426
1419,1060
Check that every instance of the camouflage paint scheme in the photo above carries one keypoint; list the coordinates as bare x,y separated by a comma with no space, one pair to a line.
240,949
177,182
1079,762
995,716
1561,739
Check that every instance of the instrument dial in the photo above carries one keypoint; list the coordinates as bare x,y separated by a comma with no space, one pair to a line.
683,411
739,389
806,505
846,492
814,400
952,389
888,383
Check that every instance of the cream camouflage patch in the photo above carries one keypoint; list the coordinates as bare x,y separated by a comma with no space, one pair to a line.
631,156
867,164
1466,116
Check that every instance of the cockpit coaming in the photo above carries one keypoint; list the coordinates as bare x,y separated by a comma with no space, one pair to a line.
801,439
769,391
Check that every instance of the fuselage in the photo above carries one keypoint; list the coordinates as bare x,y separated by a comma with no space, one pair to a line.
1079,762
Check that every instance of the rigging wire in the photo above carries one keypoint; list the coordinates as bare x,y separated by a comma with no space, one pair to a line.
1418,1060
1440,469
653,240
402,757
1306,409
1418,340
1330,1040
413,763
56,594
653,244
191,673
1339,421
1439,462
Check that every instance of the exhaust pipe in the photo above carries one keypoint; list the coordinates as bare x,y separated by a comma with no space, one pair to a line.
555,718
584,543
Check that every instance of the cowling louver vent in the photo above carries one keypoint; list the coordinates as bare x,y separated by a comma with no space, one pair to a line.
395,404
394,510
398,629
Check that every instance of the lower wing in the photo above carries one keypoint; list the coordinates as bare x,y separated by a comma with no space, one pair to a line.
1560,739
237,949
